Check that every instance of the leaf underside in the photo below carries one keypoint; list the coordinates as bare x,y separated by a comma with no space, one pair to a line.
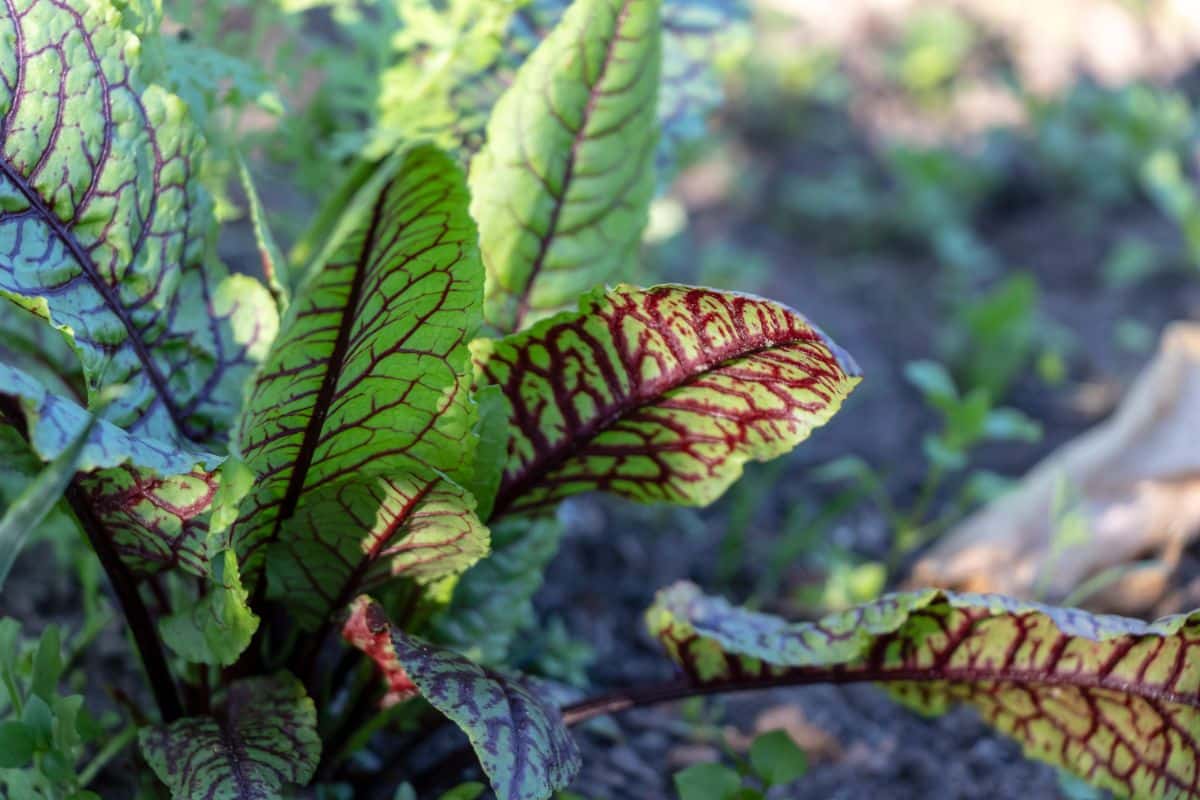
105,230
262,740
1115,701
562,187
660,394
362,413
152,497
519,738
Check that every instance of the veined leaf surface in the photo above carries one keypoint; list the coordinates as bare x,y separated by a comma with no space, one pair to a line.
361,533
520,739
104,229
562,187
694,33
151,496
1114,700
660,394
263,740
370,376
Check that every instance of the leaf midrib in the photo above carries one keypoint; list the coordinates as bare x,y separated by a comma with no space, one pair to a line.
570,446
580,136
335,363
107,293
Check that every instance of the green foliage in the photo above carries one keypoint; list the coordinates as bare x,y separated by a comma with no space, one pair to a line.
43,734
774,760
274,452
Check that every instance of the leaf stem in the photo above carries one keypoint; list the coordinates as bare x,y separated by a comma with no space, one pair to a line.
145,635
107,754
682,688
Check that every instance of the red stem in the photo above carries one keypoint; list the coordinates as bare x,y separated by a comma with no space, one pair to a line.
145,636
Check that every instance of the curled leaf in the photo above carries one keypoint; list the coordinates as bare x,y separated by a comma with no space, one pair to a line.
218,626
152,497
1114,700
521,742
660,394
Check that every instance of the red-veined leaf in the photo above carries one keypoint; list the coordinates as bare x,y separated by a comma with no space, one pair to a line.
262,740
362,409
660,394
1114,700
105,230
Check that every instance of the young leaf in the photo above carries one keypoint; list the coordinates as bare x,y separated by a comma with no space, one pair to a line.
1114,700
367,629
521,742
660,394
562,188
695,32
263,739
777,759
219,625
370,374
105,229
358,535
707,782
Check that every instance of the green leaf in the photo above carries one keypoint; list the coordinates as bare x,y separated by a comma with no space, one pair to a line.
38,717
219,625
493,601
697,34
1010,424
369,379
492,434
562,188
1111,699
16,745
660,394
53,423
464,791
263,739
360,535
520,739
934,382
47,664
707,782
777,759
38,500
106,230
